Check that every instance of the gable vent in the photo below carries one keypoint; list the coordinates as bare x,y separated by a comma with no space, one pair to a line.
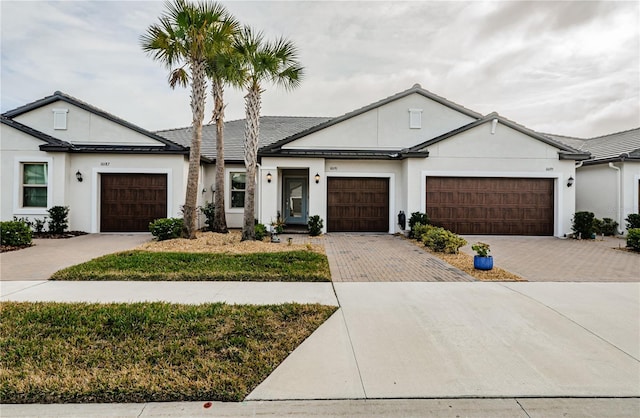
60,119
415,118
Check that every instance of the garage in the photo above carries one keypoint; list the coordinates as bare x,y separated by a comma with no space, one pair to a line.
128,202
491,206
356,204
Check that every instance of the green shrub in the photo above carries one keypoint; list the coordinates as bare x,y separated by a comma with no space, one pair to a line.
261,232
583,224
633,221
440,240
59,219
166,228
315,225
633,239
208,210
481,248
420,229
38,225
417,218
606,226
15,233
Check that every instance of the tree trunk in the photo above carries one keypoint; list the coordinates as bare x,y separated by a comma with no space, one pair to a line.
198,92
219,219
251,135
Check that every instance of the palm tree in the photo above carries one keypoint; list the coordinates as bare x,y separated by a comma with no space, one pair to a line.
260,62
221,69
185,37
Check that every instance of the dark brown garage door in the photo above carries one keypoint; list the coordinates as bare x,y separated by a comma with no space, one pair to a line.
130,201
492,206
357,204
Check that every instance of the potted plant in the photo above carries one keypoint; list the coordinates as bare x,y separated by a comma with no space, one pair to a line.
482,261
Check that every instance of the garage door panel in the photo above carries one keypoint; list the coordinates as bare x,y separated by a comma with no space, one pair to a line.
357,204
500,206
130,201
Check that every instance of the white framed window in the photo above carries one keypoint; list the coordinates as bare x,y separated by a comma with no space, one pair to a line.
238,184
415,118
60,119
35,184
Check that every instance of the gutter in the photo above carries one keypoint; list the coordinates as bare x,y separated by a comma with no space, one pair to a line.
618,195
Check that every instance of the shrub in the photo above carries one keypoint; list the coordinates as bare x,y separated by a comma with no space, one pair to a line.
208,210
419,230
483,249
315,225
166,228
261,231
59,219
440,240
606,226
15,233
633,239
633,221
583,224
417,218
38,225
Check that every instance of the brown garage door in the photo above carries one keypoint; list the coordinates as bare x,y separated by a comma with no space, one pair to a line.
492,206
357,204
130,201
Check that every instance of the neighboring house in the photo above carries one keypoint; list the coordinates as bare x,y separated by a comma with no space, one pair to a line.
608,184
113,175
414,151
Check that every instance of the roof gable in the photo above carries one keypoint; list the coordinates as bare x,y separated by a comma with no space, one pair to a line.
50,143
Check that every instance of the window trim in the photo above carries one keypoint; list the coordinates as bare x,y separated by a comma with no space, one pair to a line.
18,209
228,190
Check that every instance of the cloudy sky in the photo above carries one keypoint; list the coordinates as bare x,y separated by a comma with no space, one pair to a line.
570,68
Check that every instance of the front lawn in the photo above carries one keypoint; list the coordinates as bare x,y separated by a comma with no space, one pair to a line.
145,352
289,266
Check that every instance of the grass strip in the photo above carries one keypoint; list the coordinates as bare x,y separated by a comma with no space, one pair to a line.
145,352
304,266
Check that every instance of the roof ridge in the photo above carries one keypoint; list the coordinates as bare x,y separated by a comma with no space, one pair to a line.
611,134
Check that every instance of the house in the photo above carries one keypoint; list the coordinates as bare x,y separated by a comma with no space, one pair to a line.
608,184
413,151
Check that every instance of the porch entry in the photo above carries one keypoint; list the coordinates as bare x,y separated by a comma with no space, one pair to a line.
295,199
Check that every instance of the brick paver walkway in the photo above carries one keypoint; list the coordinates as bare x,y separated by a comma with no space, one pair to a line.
355,257
562,260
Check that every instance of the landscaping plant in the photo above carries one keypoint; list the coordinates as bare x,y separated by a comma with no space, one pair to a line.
633,221
166,228
441,240
605,226
59,219
583,225
420,229
633,239
481,248
15,234
260,231
315,225
415,219
208,210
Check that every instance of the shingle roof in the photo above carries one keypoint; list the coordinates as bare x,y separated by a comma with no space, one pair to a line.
612,147
272,129
60,96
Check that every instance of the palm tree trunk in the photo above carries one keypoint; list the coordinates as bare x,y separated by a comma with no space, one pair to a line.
251,135
198,92
219,217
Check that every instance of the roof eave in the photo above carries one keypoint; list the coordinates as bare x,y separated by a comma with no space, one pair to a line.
574,156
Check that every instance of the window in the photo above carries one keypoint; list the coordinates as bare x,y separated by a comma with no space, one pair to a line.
238,185
60,119
415,118
34,185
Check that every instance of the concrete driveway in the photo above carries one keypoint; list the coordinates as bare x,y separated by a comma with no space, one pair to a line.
50,255
562,260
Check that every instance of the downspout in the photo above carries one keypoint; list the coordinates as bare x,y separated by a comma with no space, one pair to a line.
618,195
259,191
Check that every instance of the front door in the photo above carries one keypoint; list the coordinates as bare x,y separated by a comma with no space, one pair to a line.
295,200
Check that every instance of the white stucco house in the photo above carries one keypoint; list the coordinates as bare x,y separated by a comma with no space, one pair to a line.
413,151
608,184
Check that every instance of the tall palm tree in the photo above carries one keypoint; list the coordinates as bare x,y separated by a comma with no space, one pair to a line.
185,37
260,62
221,69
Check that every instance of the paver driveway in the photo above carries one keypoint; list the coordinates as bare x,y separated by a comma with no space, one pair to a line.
355,257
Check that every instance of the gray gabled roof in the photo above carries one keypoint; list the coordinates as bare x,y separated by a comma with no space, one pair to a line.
50,144
415,89
618,146
272,129
60,96
565,151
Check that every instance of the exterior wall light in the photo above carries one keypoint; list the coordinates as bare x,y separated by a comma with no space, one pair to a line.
570,182
269,177
79,176
317,177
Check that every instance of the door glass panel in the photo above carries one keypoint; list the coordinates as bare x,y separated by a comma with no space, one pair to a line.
295,199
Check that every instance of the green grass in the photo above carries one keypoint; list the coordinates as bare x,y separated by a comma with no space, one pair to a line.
144,265
143,352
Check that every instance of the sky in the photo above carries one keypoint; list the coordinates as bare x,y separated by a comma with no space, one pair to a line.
569,68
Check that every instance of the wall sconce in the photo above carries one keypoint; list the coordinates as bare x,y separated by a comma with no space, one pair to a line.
317,177
570,182
79,176
269,177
